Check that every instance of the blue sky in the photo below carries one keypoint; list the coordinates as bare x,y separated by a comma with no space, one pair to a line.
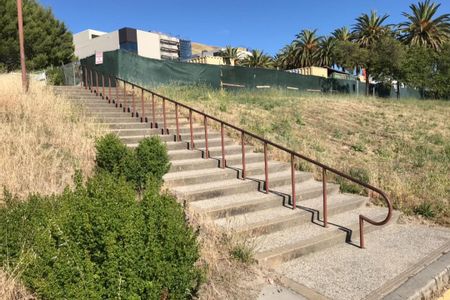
266,25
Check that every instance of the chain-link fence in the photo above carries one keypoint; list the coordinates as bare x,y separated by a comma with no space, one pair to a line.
72,73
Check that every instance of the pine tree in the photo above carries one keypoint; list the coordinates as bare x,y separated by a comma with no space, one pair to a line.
47,40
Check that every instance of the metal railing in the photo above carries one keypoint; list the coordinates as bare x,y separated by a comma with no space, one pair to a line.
131,107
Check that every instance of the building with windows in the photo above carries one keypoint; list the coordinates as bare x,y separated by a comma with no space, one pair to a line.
144,43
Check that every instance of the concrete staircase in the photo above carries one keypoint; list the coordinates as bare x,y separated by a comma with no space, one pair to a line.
279,233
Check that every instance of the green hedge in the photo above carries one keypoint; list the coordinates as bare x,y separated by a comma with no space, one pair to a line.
149,159
98,241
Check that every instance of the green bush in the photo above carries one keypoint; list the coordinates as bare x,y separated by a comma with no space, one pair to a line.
152,156
98,242
111,153
149,159
55,76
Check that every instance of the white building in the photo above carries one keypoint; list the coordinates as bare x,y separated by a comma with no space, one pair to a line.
147,44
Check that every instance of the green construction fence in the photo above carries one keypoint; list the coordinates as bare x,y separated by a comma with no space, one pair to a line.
153,72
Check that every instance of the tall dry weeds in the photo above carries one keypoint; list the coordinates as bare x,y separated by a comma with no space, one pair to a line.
226,277
43,139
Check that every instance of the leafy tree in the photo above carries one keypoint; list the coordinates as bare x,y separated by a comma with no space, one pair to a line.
257,59
418,67
420,29
441,82
367,31
47,40
350,56
306,45
385,59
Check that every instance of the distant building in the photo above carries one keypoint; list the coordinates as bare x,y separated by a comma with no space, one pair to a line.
147,44
311,71
211,60
185,49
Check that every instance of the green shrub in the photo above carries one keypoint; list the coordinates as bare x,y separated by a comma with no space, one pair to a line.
425,209
152,156
55,76
149,159
111,153
98,242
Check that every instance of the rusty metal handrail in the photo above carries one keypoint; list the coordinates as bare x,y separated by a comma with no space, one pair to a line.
244,133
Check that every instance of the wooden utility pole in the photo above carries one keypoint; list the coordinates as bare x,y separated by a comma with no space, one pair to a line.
21,43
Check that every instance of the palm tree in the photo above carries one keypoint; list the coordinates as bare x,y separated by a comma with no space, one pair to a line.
306,48
342,34
369,29
257,59
326,56
230,54
420,29
286,58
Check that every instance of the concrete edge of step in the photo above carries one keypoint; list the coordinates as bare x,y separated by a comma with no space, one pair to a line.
301,289
422,281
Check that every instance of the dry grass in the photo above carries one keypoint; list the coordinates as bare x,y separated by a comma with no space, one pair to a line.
401,146
43,140
227,277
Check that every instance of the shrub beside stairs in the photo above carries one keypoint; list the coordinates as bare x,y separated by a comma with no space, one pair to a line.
278,232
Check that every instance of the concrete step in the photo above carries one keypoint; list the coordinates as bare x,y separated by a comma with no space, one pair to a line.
273,219
177,154
193,164
280,196
194,177
207,190
293,242
214,141
146,130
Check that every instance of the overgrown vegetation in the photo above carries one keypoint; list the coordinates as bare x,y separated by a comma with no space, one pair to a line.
403,147
97,241
43,139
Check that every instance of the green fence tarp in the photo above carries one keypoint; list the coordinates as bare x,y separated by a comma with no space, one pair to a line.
152,72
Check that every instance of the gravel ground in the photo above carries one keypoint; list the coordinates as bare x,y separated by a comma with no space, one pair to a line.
347,272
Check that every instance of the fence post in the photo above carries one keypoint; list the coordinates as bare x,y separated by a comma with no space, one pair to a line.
117,93
266,168
178,138
103,86
133,102
294,197
109,88
205,122
324,189
154,125
243,154
223,145
164,130
96,83
143,106
124,102
191,146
